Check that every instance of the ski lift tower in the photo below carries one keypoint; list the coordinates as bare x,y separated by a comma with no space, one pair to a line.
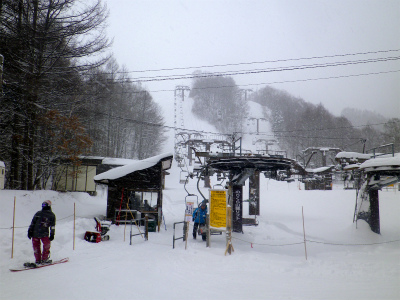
178,114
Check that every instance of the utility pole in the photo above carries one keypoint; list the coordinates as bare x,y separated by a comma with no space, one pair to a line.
179,95
258,123
233,144
140,156
245,93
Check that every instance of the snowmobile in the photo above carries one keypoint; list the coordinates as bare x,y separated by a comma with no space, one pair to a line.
102,227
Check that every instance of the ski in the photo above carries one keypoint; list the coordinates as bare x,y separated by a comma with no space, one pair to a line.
30,266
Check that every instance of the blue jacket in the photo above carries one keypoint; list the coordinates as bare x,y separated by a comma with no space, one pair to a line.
199,215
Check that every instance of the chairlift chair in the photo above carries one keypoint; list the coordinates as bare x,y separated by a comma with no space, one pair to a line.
218,186
193,197
183,177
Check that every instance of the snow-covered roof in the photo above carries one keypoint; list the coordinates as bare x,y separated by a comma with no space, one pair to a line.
208,141
131,167
351,167
117,161
110,160
353,155
319,170
382,163
323,149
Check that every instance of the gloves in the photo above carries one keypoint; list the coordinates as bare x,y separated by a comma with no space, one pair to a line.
51,237
29,234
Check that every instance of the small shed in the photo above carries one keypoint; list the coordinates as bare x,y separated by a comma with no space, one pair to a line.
135,189
318,179
74,178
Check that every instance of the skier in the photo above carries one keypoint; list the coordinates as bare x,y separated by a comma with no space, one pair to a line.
39,232
199,217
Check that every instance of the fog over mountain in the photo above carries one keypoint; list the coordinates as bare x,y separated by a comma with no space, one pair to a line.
359,117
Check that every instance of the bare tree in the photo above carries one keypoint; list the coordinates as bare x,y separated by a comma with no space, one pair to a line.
45,45
121,118
299,125
218,100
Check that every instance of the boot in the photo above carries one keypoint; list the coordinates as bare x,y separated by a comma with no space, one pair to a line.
46,261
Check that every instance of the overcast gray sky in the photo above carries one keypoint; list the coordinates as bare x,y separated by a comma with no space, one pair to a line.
226,35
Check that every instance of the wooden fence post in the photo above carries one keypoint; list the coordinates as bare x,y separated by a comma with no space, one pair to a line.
304,232
12,247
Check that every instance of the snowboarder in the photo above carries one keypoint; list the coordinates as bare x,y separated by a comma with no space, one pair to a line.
199,217
38,231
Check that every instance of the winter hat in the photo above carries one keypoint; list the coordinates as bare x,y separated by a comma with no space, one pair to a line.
46,203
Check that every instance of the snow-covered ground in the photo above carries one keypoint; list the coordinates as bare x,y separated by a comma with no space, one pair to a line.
268,262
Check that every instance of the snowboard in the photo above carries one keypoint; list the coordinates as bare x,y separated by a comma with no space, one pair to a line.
30,266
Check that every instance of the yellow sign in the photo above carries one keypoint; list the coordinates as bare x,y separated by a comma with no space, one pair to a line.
217,208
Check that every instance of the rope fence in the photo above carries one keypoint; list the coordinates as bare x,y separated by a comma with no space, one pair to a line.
255,243
188,225
316,242
261,244
19,227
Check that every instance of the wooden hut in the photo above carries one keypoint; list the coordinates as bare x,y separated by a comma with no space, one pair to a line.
136,188
72,178
318,179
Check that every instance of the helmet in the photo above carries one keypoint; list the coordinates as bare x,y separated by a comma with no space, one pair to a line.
46,203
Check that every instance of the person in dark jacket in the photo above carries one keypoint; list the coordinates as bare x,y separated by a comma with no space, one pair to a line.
42,230
199,217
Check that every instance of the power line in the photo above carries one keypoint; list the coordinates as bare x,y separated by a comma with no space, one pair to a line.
251,133
334,128
255,71
258,62
241,85
303,137
325,78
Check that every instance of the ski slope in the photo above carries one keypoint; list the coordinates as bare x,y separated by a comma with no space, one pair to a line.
344,260
268,262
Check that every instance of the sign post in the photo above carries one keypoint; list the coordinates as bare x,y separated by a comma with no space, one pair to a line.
13,227
188,218
237,208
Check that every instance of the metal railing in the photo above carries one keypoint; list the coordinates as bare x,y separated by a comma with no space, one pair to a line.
178,238
137,224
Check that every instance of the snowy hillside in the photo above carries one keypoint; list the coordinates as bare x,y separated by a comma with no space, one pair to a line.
259,128
251,142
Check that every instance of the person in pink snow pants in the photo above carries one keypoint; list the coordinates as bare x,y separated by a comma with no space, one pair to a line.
41,231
